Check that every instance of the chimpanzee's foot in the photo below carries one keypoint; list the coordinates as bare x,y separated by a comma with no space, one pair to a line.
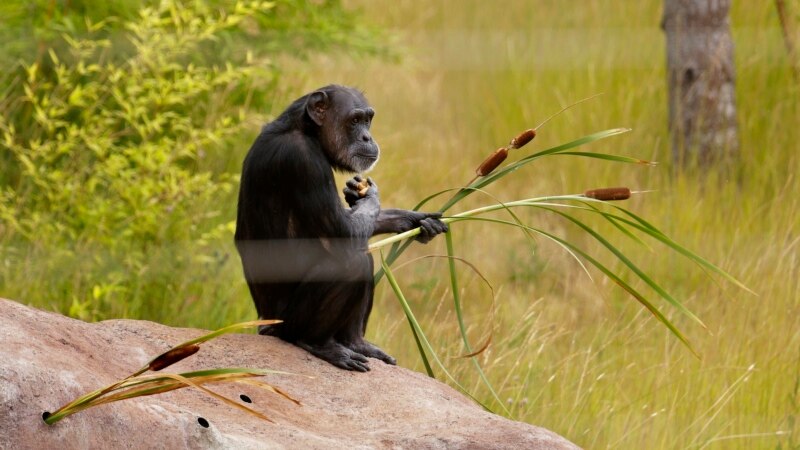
337,354
370,350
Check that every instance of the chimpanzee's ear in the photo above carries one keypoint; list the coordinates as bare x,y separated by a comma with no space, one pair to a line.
316,106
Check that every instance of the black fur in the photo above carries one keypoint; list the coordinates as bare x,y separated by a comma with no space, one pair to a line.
303,253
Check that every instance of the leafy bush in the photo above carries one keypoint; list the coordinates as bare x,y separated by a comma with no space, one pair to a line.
104,193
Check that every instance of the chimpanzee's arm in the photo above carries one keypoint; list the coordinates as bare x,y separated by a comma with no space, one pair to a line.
398,220
401,220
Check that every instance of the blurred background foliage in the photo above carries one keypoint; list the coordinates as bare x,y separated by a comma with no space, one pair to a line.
124,125
118,122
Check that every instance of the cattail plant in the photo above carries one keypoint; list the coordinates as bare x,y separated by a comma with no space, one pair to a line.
609,194
491,162
523,138
566,207
169,358
495,159
138,384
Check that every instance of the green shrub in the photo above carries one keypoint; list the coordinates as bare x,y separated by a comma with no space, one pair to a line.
107,207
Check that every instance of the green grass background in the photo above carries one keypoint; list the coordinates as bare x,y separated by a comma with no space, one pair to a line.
578,357
570,354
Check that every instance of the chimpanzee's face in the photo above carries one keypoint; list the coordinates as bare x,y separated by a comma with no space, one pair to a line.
345,132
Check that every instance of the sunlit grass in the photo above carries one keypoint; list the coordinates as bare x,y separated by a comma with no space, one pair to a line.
569,354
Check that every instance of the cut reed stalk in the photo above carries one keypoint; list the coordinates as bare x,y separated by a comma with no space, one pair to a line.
138,385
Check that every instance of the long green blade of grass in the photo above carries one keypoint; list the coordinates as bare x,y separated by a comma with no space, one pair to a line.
650,230
614,223
415,324
605,270
638,223
609,157
541,203
621,256
451,263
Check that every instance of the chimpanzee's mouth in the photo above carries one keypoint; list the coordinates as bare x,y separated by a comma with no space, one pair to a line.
365,161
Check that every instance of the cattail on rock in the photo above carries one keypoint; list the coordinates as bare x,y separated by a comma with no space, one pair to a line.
171,357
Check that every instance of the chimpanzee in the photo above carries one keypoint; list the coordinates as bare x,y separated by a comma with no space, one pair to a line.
304,254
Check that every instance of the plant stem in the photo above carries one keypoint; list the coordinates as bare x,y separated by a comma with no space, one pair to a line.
473,212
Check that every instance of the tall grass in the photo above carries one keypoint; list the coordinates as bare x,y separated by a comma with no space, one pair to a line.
575,356
567,353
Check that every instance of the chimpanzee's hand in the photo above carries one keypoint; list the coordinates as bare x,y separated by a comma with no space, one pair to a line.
429,226
356,184
401,220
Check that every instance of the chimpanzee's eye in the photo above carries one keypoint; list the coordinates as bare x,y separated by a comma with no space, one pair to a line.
354,121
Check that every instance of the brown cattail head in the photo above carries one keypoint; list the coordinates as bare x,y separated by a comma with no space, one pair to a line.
171,357
363,187
492,161
609,194
523,138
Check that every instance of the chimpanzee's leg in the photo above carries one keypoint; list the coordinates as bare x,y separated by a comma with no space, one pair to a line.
316,313
353,335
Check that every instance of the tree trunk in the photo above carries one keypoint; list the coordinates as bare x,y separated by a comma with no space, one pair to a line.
701,75
788,37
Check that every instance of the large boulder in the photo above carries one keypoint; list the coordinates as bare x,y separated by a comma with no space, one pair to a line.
47,360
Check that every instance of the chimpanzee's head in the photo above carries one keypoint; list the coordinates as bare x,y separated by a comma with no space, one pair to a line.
344,117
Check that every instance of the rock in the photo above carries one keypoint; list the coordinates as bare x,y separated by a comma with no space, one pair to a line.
48,360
